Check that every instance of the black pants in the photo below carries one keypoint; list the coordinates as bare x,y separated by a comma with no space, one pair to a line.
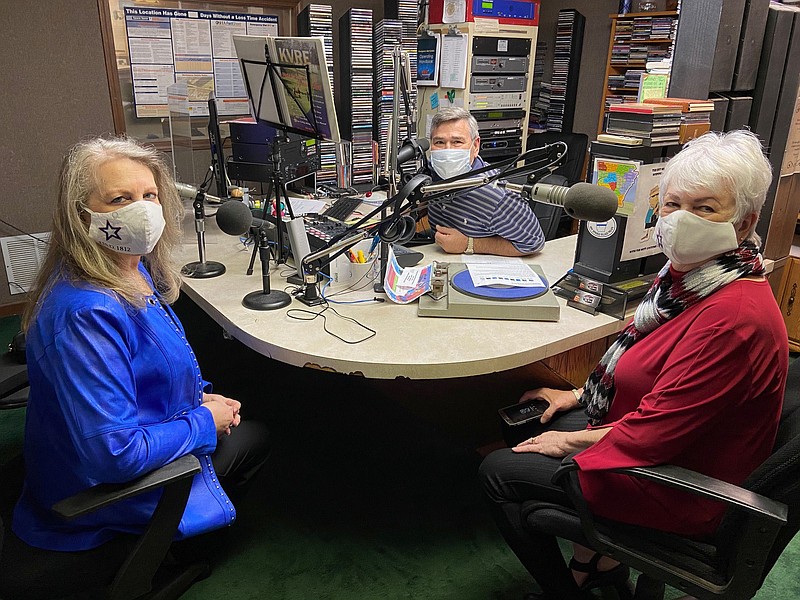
510,479
32,573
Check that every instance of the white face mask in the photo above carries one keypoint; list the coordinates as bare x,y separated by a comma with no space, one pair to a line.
450,162
132,229
687,239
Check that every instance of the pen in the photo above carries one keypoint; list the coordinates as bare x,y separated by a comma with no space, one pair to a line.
361,257
351,255
374,244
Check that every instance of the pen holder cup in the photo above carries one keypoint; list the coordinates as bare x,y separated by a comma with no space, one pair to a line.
344,272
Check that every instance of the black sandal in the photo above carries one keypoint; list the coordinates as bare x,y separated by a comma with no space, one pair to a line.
618,577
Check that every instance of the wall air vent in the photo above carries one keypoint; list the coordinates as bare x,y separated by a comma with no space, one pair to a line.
22,256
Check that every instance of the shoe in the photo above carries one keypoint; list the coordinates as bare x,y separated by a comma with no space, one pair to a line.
617,577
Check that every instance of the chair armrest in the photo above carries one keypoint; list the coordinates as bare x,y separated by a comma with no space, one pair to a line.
708,487
105,494
692,482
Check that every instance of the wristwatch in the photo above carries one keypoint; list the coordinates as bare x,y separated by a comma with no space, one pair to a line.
470,246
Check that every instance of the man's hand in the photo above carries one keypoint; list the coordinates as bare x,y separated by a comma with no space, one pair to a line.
451,240
224,410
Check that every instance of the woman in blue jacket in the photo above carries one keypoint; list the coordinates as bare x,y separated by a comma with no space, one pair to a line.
116,390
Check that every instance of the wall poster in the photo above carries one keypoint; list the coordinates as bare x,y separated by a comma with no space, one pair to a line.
192,46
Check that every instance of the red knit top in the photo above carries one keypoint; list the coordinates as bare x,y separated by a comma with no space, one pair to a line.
703,391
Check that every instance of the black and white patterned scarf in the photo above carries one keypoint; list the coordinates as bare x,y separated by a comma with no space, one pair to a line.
665,300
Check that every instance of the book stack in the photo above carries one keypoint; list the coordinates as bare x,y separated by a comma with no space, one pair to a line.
316,20
654,124
695,115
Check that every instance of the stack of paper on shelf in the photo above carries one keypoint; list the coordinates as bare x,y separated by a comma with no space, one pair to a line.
695,115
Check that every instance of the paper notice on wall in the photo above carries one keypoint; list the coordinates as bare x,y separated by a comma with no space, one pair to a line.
454,11
640,226
791,156
453,62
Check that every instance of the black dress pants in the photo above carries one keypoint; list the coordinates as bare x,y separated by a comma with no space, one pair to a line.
29,573
510,479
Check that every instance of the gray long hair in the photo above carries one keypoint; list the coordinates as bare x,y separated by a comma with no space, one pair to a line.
74,256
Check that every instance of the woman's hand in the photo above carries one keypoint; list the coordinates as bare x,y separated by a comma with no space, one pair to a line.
559,401
550,443
224,410
560,443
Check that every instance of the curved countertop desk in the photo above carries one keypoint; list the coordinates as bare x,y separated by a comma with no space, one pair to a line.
405,345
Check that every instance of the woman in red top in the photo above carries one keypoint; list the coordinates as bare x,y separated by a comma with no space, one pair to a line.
696,379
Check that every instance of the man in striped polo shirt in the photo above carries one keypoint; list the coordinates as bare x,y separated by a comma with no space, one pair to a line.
485,220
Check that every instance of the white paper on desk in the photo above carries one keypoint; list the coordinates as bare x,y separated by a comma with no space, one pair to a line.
517,275
477,259
453,62
302,206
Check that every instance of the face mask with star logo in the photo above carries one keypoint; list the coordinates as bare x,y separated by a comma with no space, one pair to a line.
132,229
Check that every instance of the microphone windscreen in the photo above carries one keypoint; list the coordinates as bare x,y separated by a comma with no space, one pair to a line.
234,218
590,202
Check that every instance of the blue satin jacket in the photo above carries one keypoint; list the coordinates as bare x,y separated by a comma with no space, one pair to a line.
115,393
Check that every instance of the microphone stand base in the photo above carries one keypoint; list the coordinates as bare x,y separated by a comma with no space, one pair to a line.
310,296
266,301
202,270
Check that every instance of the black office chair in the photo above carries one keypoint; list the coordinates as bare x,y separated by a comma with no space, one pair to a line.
763,516
142,574
14,375
569,173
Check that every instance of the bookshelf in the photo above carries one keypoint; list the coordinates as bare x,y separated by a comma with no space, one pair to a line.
636,38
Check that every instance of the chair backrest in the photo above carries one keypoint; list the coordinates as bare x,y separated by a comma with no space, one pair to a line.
572,169
13,383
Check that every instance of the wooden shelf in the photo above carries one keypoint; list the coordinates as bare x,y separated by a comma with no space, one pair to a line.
618,68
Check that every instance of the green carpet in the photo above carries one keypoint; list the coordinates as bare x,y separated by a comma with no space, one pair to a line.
361,500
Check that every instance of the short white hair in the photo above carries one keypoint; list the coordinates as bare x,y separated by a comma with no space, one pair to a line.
730,163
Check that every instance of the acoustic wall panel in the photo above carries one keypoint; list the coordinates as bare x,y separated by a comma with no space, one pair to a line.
730,28
784,112
750,44
770,71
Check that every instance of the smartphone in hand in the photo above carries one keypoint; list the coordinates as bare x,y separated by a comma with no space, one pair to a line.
523,412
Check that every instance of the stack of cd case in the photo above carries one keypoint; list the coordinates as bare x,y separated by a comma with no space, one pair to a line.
316,20
356,90
388,34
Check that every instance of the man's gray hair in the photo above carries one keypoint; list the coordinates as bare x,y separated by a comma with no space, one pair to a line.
455,113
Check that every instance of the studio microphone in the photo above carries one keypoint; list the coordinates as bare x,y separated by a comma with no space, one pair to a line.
235,218
583,201
190,193
411,149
